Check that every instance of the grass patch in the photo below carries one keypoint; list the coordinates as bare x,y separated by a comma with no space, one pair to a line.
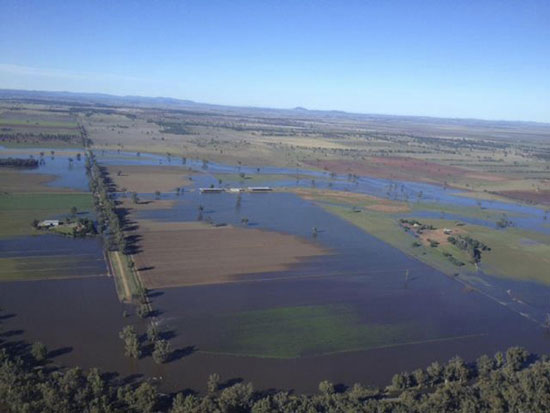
18,210
35,123
291,332
511,256
127,282
37,143
385,227
465,211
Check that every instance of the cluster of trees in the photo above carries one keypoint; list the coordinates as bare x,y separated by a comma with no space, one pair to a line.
473,246
504,222
419,226
515,381
134,348
19,163
66,134
175,128
29,136
109,222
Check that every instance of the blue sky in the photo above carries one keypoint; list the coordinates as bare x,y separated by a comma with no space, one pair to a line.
470,58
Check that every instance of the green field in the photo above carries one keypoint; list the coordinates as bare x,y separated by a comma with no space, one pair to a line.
515,254
470,212
385,227
38,123
290,332
17,210
33,145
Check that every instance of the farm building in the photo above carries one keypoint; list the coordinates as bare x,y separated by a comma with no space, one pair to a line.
211,190
49,223
259,188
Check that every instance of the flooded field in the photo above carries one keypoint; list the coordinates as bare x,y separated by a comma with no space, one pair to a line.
50,256
352,309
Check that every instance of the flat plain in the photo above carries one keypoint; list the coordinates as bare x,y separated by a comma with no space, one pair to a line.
318,275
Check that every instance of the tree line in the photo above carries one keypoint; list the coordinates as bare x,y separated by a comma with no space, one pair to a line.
514,381
19,163
109,222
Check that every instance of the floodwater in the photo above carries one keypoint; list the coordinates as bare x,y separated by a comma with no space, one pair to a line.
54,256
79,319
68,174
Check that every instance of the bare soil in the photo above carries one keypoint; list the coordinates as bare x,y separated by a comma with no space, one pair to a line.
148,179
537,197
14,180
408,169
190,253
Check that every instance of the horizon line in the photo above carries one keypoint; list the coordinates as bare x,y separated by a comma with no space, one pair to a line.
296,108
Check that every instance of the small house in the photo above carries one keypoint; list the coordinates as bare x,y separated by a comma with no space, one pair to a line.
48,223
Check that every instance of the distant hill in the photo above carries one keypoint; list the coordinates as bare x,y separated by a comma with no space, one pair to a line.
392,122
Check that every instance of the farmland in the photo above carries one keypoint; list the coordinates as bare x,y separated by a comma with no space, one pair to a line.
316,279
28,253
179,254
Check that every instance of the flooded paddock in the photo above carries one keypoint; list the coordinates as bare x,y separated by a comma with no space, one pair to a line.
359,314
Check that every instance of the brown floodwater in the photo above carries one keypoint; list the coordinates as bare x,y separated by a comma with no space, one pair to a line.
79,318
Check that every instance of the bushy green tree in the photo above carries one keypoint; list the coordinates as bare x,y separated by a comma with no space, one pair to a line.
39,351
131,342
161,351
213,383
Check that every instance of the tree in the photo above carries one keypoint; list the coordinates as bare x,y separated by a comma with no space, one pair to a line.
485,365
143,310
184,404
152,333
435,371
236,398
135,198
161,351
421,377
456,370
157,194
213,383
131,342
39,351
516,357
326,387
35,223
400,381
142,399
74,211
